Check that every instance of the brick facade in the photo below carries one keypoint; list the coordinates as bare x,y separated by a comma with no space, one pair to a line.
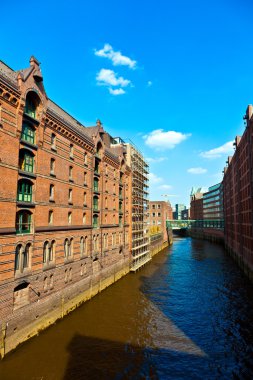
159,212
238,198
65,201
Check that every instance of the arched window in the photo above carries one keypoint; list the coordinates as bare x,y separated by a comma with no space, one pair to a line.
84,218
82,246
70,195
53,141
85,198
71,172
106,202
45,252
99,150
66,248
71,150
85,158
95,184
95,203
52,166
26,255
24,191
31,104
71,247
18,253
85,178
95,221
50,217
26,160
28,133
70,217
85,246
51,192
52,251
23,222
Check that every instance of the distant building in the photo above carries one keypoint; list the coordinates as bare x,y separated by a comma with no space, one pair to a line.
213,203
178,210
196,208
159,212
185,214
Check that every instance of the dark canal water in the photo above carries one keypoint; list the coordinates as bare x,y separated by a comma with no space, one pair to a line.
186,315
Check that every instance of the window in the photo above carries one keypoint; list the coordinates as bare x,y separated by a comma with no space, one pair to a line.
70,172
106,186
66,248
120,221
26,161
82,246
70,195
71,247
24,191
105,218
95,221
28,133
106,202
46,252
85,158
50,217
22,256
96,168
158,214
30,106
95,203
153,214
71,150
53,141
52,251
51,192
85,198
70,217
95,184
85,178
84,218
120,206
52,166
23,222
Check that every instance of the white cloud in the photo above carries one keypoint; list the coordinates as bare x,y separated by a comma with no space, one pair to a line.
160,139
109,78
115,56
196,170
117,91
225,149
154,160
154,179
149,84
165,187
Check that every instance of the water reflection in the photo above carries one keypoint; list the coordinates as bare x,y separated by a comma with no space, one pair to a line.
186,315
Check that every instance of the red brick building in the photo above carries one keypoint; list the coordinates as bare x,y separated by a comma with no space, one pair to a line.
65,201
238,198
196,207
159,212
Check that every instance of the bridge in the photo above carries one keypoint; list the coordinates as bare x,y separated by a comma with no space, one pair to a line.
206,223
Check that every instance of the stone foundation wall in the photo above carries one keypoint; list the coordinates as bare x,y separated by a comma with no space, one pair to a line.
28,321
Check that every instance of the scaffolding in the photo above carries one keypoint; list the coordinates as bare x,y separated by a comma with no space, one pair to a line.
140,234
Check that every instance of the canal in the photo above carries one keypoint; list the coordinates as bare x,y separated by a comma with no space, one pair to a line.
186,315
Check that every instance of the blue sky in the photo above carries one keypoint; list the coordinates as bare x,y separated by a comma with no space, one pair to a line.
175,77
